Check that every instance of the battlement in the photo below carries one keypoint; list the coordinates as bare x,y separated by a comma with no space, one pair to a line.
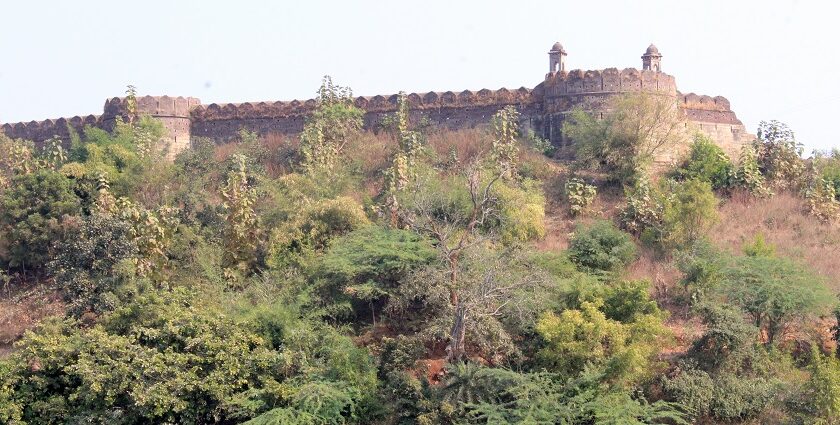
42,130
156,106
609,80
380,104
703,102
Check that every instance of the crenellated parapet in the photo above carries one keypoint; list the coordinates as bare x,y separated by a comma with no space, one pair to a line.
156,106
370,104
707,109
610,80
40,131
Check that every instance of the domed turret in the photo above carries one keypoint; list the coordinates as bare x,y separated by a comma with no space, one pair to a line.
652,59
556,60
557,47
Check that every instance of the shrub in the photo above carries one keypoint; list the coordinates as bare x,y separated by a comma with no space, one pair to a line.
779,154
706,162
822,200
521,211
747,174
93,262
30,216
360,270
601,247
576,339
724,375
579,194
312,228
690,213
644,213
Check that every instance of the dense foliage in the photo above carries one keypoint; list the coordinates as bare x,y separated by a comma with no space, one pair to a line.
412,277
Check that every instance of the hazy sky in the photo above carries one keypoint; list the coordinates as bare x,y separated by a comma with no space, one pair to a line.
772,59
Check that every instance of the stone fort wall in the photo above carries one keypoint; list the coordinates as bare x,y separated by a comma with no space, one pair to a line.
543,109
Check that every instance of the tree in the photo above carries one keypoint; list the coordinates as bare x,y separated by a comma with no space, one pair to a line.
31,214
748,173
497,294
404,164
168,358
778,154
87,266
505,150
823,388
545,398
360,271
241,234
625,142
330,127
725,374
774,291
579,194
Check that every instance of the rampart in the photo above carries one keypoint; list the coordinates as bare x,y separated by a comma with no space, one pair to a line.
543,108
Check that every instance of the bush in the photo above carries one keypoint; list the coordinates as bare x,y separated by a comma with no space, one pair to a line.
779,155
601,247
576,339
521,211
165,359
360,270
93,263
312,228
579,194
644,212
690,213
706,162
748,174
31,214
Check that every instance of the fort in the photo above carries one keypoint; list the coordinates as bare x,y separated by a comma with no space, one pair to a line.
543,108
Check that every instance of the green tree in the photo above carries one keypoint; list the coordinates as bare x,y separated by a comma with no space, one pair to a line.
774,291
242,231
823,389
31,214
579,337
725,374
332,124
93,263
505,149
359,271
779,155
579,194
167,358
311,230
748,174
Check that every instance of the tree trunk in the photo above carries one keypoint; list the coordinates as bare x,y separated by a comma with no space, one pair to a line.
455,349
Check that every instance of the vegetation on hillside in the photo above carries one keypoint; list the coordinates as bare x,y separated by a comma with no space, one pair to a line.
414,276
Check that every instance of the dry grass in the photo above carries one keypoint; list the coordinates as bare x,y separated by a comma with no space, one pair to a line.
783,222
23,311
468,144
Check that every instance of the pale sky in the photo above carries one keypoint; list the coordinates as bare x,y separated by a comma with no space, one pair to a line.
771,59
